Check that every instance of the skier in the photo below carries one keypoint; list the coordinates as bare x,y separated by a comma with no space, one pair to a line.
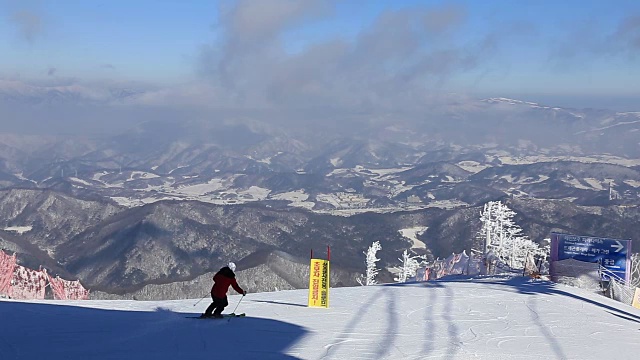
224,278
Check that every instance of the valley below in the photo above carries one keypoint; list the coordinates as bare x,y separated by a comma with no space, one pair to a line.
153,212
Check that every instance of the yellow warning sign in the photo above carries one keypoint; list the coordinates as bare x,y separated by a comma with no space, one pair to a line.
319,283
636,299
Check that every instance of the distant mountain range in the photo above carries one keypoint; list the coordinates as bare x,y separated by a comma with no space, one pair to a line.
167,202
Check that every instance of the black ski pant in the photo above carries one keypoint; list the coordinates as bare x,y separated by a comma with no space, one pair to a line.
217,305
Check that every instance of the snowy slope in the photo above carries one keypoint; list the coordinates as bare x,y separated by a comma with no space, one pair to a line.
484,318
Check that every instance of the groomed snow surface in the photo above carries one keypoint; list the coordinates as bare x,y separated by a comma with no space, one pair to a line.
454,318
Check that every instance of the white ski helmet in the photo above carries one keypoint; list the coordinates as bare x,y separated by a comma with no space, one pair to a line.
232,266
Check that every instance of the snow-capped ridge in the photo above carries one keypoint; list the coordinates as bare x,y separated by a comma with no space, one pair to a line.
508,101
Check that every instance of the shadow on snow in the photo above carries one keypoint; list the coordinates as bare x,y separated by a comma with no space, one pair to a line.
279,303
525,285
51,331
522,285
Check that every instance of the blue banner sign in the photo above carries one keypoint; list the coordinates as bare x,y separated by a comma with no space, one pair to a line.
612,254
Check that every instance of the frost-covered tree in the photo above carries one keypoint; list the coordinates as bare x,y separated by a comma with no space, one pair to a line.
517,249
635,270
371,259
504,238
497,225
408,268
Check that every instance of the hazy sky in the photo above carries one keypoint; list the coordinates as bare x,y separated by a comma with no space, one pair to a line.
311,52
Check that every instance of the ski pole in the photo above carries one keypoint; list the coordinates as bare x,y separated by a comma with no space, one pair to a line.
234,310
200,300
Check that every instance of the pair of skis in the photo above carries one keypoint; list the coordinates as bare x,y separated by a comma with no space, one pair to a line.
224,316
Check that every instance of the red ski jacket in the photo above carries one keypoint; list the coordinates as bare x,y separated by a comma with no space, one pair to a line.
221,282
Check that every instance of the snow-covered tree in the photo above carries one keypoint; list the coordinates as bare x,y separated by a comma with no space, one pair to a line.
408,268
497,225
504,238
635,270
371,259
